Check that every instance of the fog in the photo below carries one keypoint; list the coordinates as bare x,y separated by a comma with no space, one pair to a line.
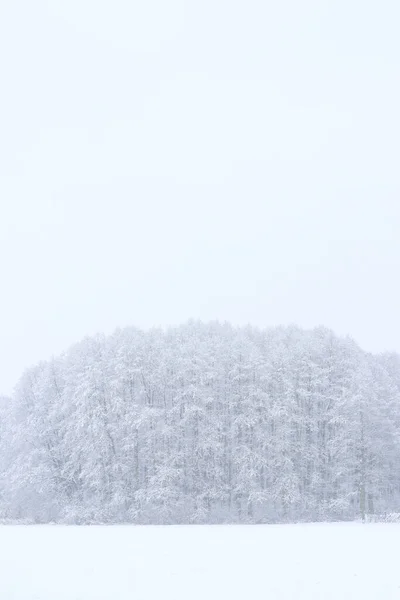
216,160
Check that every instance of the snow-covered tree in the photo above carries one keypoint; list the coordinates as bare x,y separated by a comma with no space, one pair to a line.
203,423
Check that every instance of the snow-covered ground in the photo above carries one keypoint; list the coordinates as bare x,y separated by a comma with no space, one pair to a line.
282,562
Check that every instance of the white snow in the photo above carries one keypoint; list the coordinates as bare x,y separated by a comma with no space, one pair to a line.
282,562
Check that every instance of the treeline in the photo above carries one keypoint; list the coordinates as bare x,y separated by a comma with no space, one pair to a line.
204,423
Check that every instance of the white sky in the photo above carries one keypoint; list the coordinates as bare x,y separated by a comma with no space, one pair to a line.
216,159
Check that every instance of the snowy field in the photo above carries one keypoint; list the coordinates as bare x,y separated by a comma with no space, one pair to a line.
282,562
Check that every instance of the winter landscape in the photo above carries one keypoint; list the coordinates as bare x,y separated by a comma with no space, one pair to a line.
236,438
199,300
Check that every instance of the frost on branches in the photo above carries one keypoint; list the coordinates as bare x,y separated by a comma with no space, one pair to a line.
203,424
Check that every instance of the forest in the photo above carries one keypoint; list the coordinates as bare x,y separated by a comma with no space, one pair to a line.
203,423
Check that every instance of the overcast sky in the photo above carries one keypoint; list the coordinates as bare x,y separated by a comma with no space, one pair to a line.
222,159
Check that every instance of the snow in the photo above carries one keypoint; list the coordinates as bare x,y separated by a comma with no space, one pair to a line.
281,562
